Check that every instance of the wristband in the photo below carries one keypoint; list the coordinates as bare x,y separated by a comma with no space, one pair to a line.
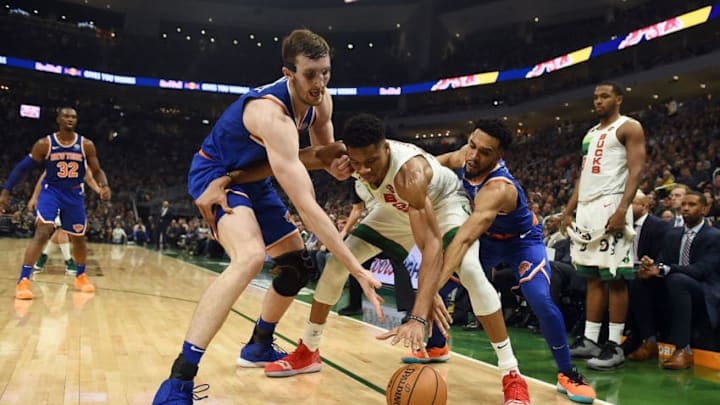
418,319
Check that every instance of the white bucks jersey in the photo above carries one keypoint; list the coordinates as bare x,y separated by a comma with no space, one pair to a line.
444,182
604,168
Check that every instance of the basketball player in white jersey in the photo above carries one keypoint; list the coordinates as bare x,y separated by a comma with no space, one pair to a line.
419,202
602,234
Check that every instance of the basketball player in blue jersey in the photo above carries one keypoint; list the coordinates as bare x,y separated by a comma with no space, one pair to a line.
509,233
65,155
249,220
59,238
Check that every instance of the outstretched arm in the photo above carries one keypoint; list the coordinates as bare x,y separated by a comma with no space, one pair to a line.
37,155
454,159
412,183
312,157
494,197
264,118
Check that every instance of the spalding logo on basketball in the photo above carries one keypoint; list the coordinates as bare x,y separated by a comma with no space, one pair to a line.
416,384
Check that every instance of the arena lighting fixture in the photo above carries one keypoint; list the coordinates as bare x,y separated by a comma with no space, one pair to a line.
178,29
457,35
676,77
164,35
107,6
252,36
212,40
628,89
210,19
557,118
259,44
702,85
397,25
202,32
520,124
235,41
536,19
187,37
35,11
276,39
350,46
370,45
655,96
63,17
329,27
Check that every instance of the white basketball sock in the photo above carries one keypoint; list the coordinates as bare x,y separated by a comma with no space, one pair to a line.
65,249
616,331
506,358
49,247
313,334
592,330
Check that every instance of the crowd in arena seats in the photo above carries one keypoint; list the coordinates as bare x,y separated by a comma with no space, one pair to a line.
148,159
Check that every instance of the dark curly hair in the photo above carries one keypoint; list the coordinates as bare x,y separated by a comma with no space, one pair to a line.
363,130
497,129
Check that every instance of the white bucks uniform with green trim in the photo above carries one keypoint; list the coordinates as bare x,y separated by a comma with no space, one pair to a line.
387,226
602,184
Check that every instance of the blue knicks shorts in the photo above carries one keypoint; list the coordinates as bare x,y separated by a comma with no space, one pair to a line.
69,204
527,258
260,196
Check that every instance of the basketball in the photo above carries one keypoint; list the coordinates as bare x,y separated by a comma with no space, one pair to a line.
416,384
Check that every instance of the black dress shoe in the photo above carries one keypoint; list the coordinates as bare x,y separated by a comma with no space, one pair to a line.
350,311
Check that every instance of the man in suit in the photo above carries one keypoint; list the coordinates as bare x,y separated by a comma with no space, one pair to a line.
163,222
690,262
648,297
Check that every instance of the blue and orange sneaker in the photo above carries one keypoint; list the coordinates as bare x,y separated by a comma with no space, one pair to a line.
435,355
175,391
260,354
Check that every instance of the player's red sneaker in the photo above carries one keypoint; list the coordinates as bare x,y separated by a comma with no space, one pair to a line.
300,361
515,389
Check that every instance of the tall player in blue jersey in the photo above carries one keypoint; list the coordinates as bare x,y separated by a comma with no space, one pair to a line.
65,155
509,233
249,220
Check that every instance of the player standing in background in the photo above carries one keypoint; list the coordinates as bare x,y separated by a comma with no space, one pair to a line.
251,221
65,155
603,232
510,233
59,238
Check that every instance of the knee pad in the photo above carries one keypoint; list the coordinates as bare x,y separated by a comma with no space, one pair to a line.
483,297
296,269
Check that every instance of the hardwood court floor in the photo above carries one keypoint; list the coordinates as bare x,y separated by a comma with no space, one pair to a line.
115,346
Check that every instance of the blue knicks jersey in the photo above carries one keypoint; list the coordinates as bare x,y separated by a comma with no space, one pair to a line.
65,164
230,145
521,222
